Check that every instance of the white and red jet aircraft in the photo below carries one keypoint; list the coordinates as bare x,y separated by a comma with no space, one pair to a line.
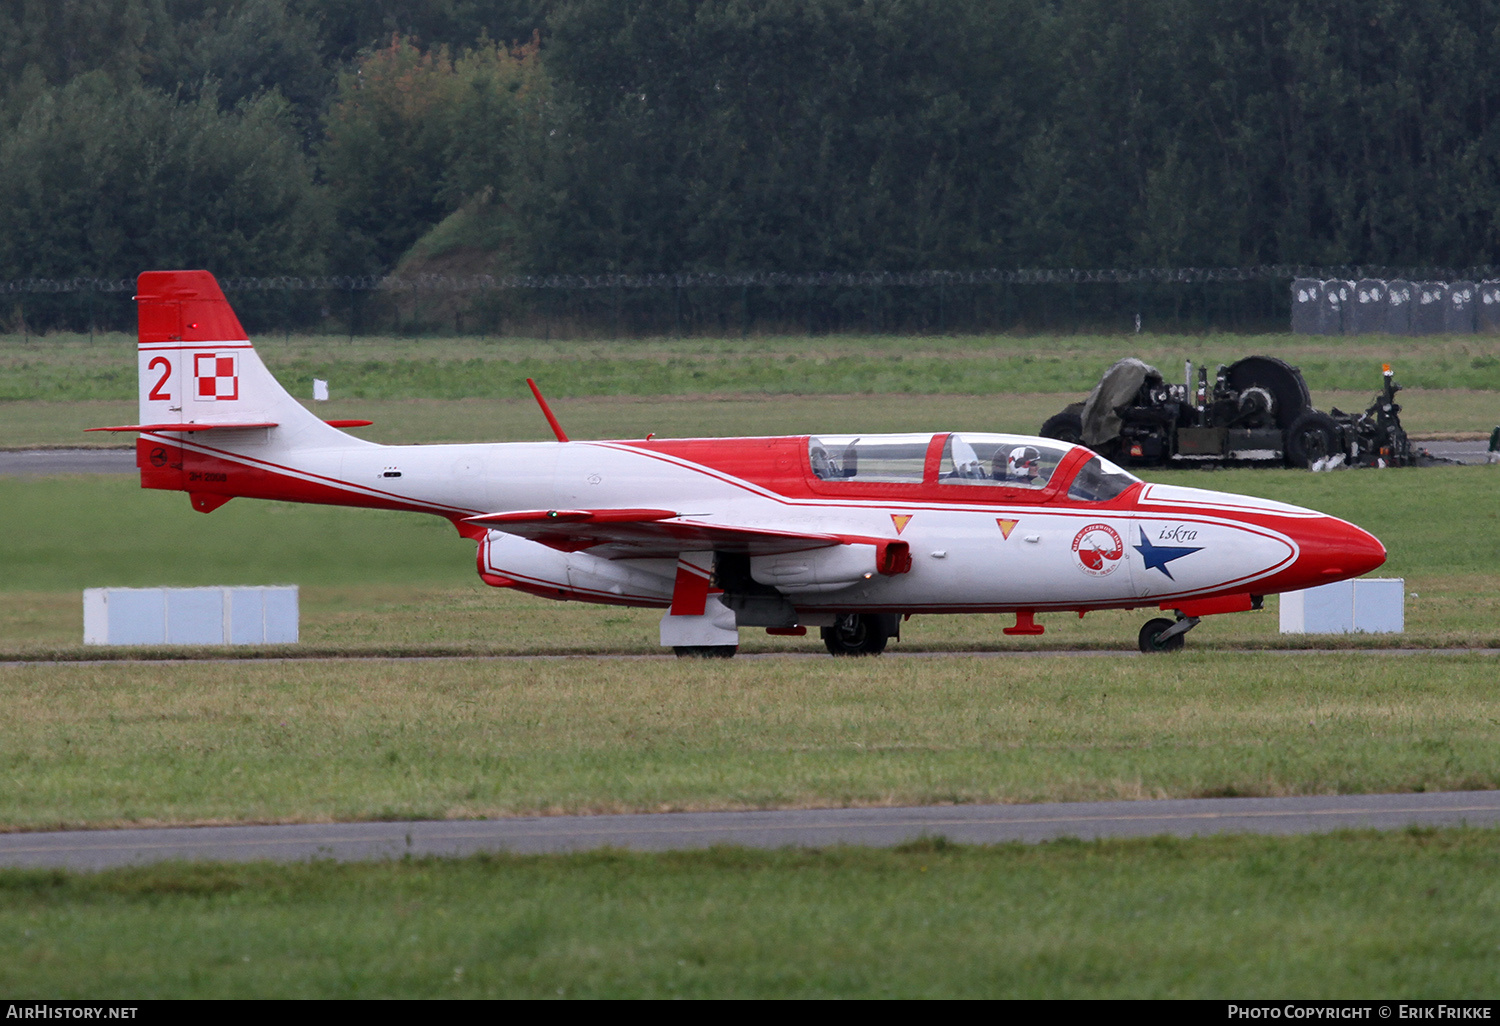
850,534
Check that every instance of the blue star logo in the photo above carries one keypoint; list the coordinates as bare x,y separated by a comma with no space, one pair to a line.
1158,556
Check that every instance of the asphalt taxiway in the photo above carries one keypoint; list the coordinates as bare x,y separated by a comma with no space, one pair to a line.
812,828
40,462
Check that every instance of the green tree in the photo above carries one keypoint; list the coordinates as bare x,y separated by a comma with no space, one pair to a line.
412,135
801,134
1189,132
61,39
111,180
351,27
249,49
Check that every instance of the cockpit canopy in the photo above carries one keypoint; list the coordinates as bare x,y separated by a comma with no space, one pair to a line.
997,460
970,458
869,458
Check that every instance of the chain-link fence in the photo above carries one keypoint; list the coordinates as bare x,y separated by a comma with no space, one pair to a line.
1066,301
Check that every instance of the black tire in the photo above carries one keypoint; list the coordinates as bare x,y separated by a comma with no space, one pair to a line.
705,651
1314,436
1283,381
1152,630
855,634
1066,426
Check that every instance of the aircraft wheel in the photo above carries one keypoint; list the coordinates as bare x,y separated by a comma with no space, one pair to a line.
1312,437
855,634
705,651
1152,631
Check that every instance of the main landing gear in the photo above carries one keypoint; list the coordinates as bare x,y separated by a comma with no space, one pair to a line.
1163,635
857,634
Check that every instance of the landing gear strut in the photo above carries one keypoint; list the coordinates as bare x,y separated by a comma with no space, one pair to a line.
1163,635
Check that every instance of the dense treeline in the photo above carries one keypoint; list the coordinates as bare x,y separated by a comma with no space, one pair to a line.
587,136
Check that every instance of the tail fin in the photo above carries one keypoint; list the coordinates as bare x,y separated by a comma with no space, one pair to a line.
196,364
200,374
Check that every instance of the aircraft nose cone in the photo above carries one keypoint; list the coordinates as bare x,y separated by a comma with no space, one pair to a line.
1335,550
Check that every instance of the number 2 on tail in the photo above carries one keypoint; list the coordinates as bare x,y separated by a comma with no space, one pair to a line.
166,372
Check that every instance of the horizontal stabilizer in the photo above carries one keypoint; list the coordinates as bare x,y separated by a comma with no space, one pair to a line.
182,427
645,533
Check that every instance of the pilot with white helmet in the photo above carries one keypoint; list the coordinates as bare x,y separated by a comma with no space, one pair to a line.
1023,465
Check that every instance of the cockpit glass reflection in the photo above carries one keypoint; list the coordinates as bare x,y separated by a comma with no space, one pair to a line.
1099,480
868,458
1013,462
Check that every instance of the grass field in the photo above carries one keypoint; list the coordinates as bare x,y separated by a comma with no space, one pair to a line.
70,368
1410,915
456,390
118,744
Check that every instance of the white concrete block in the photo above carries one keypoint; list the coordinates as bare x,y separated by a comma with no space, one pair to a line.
245,616
190,616
124,616
195,616
283,615
1380,605
95,617
1292,606
1373,605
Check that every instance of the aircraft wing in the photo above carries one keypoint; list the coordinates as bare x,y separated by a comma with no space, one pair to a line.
647,533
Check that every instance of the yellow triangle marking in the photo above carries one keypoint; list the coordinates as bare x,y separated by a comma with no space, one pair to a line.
900,520
1006,526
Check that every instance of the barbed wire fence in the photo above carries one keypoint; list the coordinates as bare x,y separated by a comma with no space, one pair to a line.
724,303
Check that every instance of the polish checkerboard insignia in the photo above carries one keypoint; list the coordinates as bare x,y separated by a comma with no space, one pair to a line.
218,376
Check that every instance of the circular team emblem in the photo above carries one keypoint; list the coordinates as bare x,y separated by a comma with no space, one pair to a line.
1098,550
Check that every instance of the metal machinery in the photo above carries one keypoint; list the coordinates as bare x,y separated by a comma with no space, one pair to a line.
1258,410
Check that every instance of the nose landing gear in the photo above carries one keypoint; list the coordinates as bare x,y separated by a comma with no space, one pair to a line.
1163,635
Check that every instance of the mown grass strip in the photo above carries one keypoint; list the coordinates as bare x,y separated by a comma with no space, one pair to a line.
140,743
1348,915
61,368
